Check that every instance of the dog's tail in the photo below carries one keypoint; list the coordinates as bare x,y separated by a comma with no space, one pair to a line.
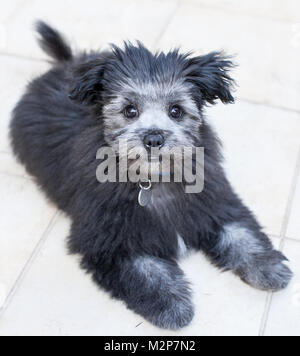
53,43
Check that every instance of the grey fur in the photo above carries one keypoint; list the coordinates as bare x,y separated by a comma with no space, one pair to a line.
249,258
173,306
153,101
182,248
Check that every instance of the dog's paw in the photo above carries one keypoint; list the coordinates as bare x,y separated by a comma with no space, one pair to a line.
270,274
176,315
164,296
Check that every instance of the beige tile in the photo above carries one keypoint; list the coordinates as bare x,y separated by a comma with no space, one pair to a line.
261,147
224,302
93,25
284,317
267,51
24,216
15,74
275,9
8,8
293,230
59,299
9,165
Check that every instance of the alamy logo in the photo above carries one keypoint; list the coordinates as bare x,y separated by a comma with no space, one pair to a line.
178,164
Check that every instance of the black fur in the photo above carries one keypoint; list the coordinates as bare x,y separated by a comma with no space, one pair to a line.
53,43
56,130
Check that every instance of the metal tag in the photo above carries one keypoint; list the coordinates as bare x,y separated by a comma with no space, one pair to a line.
145,194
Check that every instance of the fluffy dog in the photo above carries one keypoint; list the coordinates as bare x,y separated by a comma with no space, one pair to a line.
92,100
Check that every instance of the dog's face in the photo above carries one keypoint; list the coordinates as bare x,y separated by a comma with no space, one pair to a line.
152,102
152,116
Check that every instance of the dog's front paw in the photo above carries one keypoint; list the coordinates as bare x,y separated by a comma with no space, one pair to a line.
270,273
175,315
163,296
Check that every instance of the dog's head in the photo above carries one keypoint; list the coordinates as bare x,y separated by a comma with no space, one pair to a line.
153,101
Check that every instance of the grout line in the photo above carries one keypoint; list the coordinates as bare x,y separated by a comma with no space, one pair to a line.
286,238
19,176
283,108
27,58
292,239
265,316
291,198
25,175
273,236
286,218
29,263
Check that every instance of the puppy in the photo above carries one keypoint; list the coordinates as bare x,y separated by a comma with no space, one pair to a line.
130,240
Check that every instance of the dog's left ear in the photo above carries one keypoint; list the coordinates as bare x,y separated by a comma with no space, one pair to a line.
210,75
87,82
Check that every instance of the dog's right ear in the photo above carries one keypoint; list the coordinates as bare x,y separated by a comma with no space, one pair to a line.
87,82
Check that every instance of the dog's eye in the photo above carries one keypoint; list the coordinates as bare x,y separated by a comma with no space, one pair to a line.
176,112
131,112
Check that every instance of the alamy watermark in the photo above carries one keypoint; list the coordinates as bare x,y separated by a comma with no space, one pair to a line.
135,164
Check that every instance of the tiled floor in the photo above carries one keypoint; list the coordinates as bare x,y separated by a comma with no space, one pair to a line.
42,290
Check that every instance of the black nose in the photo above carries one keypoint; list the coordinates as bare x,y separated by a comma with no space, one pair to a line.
154,140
